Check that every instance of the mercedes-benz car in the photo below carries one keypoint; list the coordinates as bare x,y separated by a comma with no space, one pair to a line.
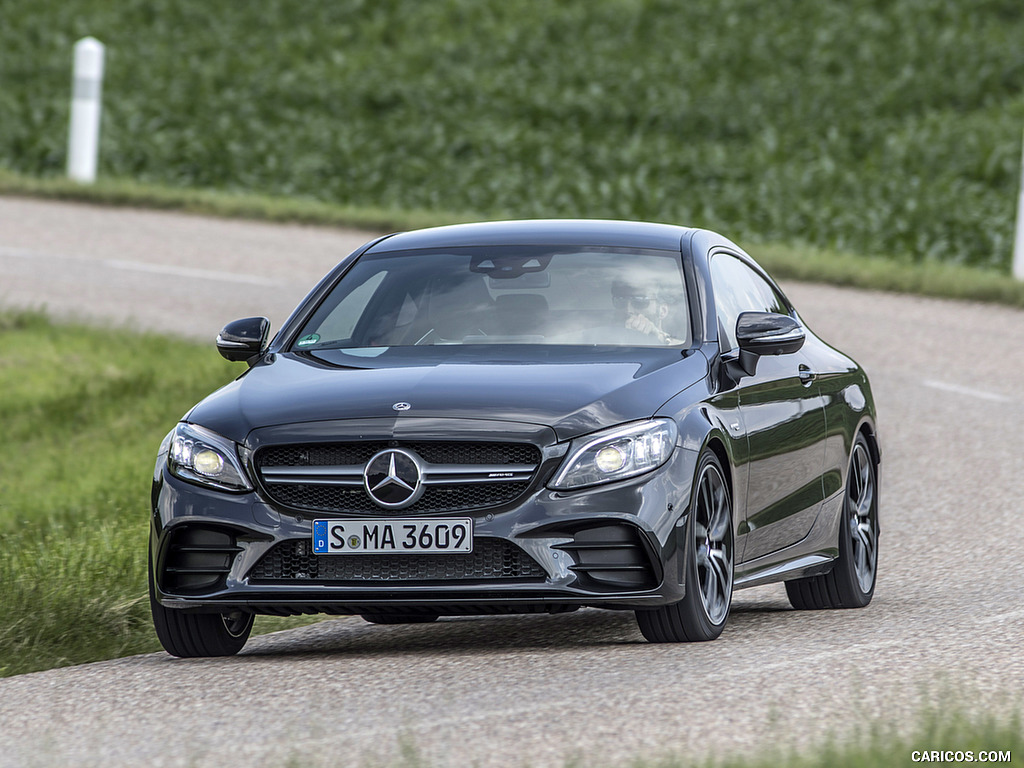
520,417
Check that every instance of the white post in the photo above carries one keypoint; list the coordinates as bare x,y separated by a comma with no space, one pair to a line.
1018,242
86,107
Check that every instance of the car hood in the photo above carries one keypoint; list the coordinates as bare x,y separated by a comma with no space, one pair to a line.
573,391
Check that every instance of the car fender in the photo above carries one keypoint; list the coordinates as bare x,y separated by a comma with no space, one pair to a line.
702,427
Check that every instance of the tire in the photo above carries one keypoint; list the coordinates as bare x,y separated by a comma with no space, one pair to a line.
191,635
702,613
400,618
851,582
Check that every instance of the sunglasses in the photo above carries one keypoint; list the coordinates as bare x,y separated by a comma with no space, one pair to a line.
624,302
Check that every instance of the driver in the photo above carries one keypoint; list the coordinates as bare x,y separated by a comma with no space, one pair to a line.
642,309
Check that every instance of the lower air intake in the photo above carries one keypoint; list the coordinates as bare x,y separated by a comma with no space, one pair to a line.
491,560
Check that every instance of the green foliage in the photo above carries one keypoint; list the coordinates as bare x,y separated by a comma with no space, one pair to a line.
890,128
949,728
83,412
73,593
950,281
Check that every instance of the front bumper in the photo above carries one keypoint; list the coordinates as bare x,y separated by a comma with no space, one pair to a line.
614,546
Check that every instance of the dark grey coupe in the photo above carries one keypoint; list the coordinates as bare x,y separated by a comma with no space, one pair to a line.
516,417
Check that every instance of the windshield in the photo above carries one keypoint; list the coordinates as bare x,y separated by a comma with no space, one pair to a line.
505,295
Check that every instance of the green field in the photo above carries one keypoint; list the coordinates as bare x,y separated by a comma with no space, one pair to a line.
889,128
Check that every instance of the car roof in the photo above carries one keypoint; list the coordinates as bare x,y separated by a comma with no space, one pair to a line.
595,232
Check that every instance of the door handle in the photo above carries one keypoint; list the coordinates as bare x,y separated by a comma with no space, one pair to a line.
807,376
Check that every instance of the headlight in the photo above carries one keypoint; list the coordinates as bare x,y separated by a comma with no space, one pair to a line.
615,454
200,456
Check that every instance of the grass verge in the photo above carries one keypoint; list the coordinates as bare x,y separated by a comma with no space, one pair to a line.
951,733
83,411
241,205
784,261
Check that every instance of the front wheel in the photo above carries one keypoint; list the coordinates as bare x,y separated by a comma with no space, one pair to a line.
851,582
191,635
703,611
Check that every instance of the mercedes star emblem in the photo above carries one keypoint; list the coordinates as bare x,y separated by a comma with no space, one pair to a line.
402,406
393,478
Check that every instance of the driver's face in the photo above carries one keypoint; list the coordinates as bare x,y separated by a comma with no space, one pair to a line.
631,302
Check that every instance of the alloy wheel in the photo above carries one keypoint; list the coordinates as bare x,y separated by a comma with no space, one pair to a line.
713,543
237,623
860,500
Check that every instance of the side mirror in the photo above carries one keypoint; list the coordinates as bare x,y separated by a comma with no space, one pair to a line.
766,333
243,340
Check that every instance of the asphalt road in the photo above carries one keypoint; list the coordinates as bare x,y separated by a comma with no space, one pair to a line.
945,625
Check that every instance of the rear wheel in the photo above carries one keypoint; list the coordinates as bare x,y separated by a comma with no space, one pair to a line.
702,613
190,635
851,582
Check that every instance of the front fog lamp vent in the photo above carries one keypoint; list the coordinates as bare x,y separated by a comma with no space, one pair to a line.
198,560
612,557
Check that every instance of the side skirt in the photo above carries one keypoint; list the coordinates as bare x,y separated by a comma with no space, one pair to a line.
813,554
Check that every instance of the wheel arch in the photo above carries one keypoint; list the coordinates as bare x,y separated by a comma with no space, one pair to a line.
701,429
715,444
867,429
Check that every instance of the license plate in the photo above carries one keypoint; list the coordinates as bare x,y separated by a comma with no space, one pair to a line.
377,536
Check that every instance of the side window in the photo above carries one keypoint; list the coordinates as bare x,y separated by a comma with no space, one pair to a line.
739,289
771,301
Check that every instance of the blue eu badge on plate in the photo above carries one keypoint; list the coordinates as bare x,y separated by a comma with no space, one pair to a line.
319,536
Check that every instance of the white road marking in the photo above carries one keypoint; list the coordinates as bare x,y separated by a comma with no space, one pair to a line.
198,274
138,266
956,389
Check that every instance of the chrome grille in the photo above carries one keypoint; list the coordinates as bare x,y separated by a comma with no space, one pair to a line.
328,477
